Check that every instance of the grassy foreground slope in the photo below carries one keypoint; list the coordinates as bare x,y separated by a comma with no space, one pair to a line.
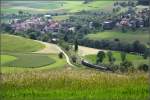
12,43
74,84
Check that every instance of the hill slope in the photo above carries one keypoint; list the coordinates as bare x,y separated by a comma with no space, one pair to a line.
128,37
11,43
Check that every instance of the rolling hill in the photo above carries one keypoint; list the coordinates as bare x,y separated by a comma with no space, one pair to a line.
12,43
46,6
128,37
21,54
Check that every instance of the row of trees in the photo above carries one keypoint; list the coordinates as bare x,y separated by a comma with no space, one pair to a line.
117,45
125,65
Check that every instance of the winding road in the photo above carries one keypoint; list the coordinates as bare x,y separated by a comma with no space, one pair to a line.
53,48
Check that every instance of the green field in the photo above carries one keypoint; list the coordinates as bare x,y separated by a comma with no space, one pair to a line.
28,6
135,59
6,59
128,37
49,6
28,60
12,43
63,84
53,63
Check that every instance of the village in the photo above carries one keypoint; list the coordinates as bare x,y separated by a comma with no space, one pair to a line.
46,24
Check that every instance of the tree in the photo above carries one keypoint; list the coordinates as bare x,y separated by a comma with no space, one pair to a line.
20,12
123,56
146,54
60,55
32,35
74,59
100,56
126,65
110,56
66,38
143,67
76,45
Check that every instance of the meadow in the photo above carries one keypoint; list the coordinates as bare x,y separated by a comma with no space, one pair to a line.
135,59
12,43
128,37
28,60
74,84
19,54
46,6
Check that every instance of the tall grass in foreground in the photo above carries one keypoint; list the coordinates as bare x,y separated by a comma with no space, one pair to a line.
73,84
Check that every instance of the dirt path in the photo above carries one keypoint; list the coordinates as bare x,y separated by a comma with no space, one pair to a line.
49,48
66,56
53,48
87,51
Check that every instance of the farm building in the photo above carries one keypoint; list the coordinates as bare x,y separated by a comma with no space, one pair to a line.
108,25
47,16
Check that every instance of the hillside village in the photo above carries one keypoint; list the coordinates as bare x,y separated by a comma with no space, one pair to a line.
45,24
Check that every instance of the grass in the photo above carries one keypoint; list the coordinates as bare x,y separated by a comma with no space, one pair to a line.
128,37
6,58
135,59
76,6
12,43
28,6
46,6
29,60
54,57
74,84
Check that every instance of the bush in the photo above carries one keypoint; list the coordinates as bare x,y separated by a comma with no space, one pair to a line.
125,65
60,55
143,67
74,59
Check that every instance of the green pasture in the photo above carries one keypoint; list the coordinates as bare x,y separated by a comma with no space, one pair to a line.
12,43
128,37
76,6
6,58
135,59
29,60
48,6
29,6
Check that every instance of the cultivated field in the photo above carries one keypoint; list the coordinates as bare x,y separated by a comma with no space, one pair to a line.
49,48
87,51
46,6
19,54
28,60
